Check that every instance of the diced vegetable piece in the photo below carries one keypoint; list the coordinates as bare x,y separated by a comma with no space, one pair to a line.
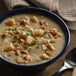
21,40
52,41
48,53
50,47
24,22
10,22
43,47
35,40
46,50
59,34
16,44
10,47
43,27
23,35
18,32
9,32
26,57
20,60
38,32
17,48
46,36
34,19
27,18
17,52
15,38
45,41
44,57
29,27
29,40
50,36
11,29
26,47
41,22
24,52
55,32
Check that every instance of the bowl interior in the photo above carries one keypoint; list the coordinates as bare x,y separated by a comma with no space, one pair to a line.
43,12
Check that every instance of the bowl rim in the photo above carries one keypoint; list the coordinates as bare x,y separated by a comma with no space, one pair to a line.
48,62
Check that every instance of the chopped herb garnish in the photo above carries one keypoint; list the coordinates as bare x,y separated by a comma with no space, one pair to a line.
41,57
37,46
39,42
15,38
46,50
35,39
52,41
11,28
27,33
26,47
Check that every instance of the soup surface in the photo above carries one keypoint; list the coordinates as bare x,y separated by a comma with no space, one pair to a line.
30,39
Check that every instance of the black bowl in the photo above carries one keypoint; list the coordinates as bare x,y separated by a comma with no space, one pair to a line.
43,12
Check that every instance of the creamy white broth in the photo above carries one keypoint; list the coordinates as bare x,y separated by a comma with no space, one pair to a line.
36,52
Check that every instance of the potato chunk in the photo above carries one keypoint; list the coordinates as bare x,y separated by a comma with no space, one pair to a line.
23,35
26,57
10,47
24,52
10,22
29,40
23,22
50,47
38,32
34,19
17,52
44,57
48,53
55,32
43,47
